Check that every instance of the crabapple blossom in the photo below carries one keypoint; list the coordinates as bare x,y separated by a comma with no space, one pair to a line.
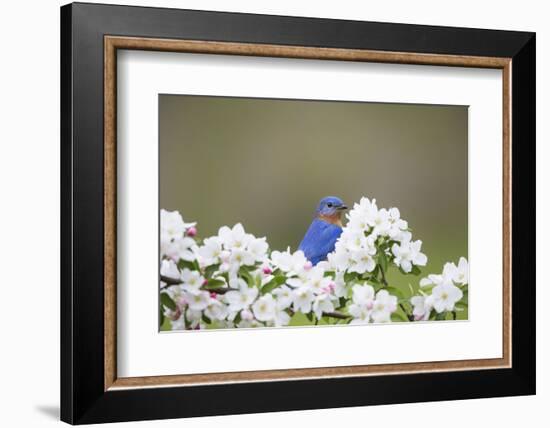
360,314
363,302
323,303
191,280
290,263
196,299
459,274
281,318
283,295
407,254
241,258
235,237
258,247
302,298
264,308
216,310
362,261
445,296
421,307
211,250
233,280
169,269
172,225
241,298
384,305
179,248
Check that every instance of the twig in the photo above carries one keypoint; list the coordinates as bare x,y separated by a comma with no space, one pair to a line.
173,281
410,317
338,315
170,281
383,277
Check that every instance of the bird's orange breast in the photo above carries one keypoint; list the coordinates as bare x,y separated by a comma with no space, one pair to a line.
332,219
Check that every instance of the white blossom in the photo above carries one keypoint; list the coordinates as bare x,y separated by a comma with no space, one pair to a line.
216,310
291,263
179,248
258,247
211,250
421,308
264,308
384,305
302,299
445,296
242,298
323,303
235,237
241,257
191,280
362,261
197,300
407,253
172,225
169,269
283,295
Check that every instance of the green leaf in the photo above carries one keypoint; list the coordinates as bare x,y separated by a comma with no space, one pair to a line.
309,316
274,283
342,302
210,270
167,301
397,317
161,317
244,273
299,319
416,270
461,305
374,282
441,316
396,292
206,319
214,283
237,319
182,264
350,277
383,261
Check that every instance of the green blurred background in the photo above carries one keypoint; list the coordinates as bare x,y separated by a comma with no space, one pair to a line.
266,163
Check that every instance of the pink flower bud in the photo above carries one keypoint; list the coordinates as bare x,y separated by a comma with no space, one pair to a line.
246,315
308,265
267,270
213,295
192,231
205,282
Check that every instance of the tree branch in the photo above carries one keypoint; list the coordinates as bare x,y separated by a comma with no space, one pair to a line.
170,281
338,315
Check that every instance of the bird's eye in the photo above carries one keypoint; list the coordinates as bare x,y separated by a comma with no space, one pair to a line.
329,205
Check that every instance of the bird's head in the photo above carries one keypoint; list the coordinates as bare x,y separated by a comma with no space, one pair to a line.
330,209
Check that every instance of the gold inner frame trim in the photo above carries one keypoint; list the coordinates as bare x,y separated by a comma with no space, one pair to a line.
113,43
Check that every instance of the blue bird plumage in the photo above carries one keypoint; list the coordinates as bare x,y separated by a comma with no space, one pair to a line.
324,230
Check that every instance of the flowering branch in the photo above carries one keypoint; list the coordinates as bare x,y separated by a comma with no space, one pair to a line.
233,280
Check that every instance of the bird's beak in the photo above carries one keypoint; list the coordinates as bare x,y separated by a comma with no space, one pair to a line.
342,207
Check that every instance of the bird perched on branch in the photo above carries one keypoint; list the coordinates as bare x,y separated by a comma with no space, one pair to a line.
324,230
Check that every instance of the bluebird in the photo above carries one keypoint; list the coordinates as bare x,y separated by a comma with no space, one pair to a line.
324,230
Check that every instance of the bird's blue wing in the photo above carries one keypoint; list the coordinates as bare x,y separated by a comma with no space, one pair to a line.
319,240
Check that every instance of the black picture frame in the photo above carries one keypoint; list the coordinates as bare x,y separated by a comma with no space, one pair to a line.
83,398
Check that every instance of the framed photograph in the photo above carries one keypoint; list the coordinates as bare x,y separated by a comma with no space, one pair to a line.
292,213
